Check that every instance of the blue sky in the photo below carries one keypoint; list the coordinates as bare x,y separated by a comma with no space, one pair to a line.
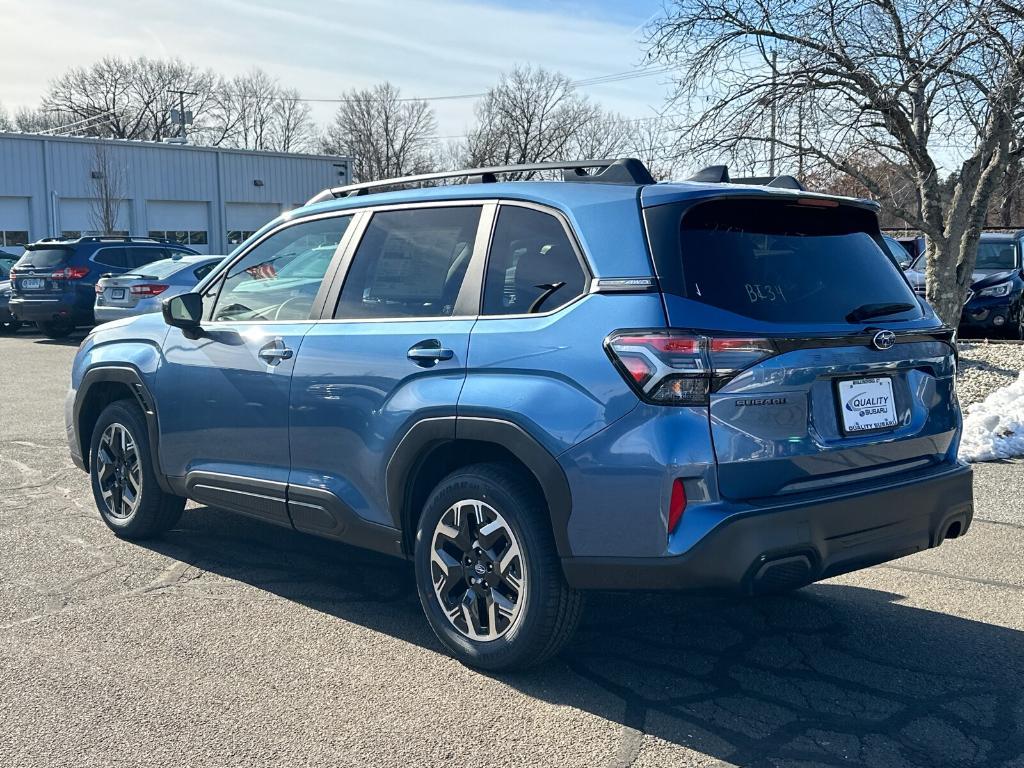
426,47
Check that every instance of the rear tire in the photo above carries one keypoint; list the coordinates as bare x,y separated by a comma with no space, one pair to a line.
487,571
124,484
56,329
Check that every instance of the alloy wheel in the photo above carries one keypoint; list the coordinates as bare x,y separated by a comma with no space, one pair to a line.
119,472
478,571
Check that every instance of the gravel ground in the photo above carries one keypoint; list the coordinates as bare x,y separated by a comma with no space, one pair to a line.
986,366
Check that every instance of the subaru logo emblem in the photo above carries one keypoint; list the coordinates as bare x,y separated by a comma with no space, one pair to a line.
883,340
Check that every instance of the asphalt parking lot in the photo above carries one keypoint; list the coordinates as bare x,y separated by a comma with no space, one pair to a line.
231,642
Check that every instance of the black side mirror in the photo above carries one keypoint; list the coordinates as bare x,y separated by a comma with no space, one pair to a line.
185,311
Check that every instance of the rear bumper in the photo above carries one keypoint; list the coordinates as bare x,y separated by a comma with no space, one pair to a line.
35,310
105,314
788,545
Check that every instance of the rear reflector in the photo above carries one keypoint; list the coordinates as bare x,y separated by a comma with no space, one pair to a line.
678,368
676,505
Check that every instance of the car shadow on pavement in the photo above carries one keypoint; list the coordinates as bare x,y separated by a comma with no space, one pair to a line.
830,675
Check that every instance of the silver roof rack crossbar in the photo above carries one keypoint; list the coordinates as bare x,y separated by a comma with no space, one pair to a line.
626,170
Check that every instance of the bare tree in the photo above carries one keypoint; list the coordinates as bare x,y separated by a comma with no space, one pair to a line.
108,182
534,115
293,129
5,119
387,135
128,98
912,82
651,140
29,120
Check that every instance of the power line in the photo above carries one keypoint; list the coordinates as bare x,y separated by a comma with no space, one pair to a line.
581,83
49,131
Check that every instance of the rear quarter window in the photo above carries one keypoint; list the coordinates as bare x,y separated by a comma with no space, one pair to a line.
782,262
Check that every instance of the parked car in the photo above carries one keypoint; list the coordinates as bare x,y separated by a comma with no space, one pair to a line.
141,291
533,388
914,245
7,322
895,247
7,260
994,304
54,281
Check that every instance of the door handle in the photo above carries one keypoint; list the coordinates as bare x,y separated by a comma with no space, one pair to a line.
274,352
429,352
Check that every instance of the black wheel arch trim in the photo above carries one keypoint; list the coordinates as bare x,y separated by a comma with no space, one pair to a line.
131,377
429,434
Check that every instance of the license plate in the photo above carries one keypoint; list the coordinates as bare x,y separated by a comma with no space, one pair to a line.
117,293
32,283
866,405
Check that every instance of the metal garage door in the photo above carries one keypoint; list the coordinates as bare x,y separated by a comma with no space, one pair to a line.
14,228
77,216
245,218
179,221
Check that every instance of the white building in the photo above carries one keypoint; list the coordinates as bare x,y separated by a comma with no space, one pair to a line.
205,197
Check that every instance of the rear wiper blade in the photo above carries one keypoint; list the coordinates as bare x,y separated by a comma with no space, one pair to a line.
867,311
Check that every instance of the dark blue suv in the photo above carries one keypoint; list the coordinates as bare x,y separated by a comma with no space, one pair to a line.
53,284
534,388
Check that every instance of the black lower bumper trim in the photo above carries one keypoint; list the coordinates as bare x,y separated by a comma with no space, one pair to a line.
809,542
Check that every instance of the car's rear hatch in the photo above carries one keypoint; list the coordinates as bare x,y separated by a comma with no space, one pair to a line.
40,270
116,291
835,374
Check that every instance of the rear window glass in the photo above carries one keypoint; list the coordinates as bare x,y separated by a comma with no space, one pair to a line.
783,262
158,269
44,258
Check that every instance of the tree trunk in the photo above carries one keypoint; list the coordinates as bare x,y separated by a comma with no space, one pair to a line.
944,291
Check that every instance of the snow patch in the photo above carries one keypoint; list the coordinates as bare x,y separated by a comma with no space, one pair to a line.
994,428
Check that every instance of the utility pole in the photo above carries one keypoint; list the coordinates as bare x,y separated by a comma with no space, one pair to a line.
180,116
774,109
800,138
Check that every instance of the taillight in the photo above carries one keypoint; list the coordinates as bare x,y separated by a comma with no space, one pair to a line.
676,505
678,368
70,273
148,289
99,289
13,273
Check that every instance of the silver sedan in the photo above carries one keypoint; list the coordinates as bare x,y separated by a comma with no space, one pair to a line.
141,291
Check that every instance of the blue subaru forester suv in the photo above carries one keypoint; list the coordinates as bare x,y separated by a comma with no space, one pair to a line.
532,388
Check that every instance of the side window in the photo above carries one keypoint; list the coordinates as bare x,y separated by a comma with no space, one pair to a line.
280,277
203,271
532,265
410,263
111,257
139,257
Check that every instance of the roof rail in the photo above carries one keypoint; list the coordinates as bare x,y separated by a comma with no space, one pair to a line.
719,174
626,170
118,238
